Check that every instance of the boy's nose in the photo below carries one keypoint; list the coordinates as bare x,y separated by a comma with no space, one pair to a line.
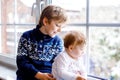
59,30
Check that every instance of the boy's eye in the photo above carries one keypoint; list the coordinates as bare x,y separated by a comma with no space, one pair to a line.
60,26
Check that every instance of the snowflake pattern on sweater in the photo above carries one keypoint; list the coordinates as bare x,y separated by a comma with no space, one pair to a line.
44,49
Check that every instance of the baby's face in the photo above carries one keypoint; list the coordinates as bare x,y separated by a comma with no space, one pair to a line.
77,52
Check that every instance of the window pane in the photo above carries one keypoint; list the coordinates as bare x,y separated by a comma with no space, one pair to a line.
24,12
76,9
105,52
7,40
0,12
7,11
71,28
105,11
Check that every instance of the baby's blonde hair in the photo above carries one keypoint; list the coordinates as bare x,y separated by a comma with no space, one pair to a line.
74,38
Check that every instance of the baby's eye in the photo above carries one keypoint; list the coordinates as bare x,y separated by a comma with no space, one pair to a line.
57,25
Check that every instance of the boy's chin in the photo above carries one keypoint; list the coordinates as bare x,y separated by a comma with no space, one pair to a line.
52,35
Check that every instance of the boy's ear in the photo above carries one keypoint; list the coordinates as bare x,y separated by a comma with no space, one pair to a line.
45,21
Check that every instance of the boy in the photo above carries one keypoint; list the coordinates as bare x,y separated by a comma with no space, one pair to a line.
38,47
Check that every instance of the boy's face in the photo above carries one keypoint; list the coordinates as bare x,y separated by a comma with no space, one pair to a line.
53,28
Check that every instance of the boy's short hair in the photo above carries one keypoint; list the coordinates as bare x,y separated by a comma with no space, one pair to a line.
52,12
74,38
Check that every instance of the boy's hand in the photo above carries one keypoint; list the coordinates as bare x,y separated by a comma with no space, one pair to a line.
44,76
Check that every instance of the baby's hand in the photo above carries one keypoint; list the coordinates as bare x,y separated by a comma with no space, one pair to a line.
79,77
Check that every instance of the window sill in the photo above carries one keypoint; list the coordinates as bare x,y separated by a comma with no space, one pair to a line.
8,62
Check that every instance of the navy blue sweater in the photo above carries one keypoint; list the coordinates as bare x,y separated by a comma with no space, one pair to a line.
36,52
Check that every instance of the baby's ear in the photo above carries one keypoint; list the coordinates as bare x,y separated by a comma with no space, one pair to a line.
70,48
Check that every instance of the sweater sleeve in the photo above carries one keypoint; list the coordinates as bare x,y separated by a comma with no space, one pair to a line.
59,45
23,63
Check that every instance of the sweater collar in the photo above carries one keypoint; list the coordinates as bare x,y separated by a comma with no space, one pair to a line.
40,35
